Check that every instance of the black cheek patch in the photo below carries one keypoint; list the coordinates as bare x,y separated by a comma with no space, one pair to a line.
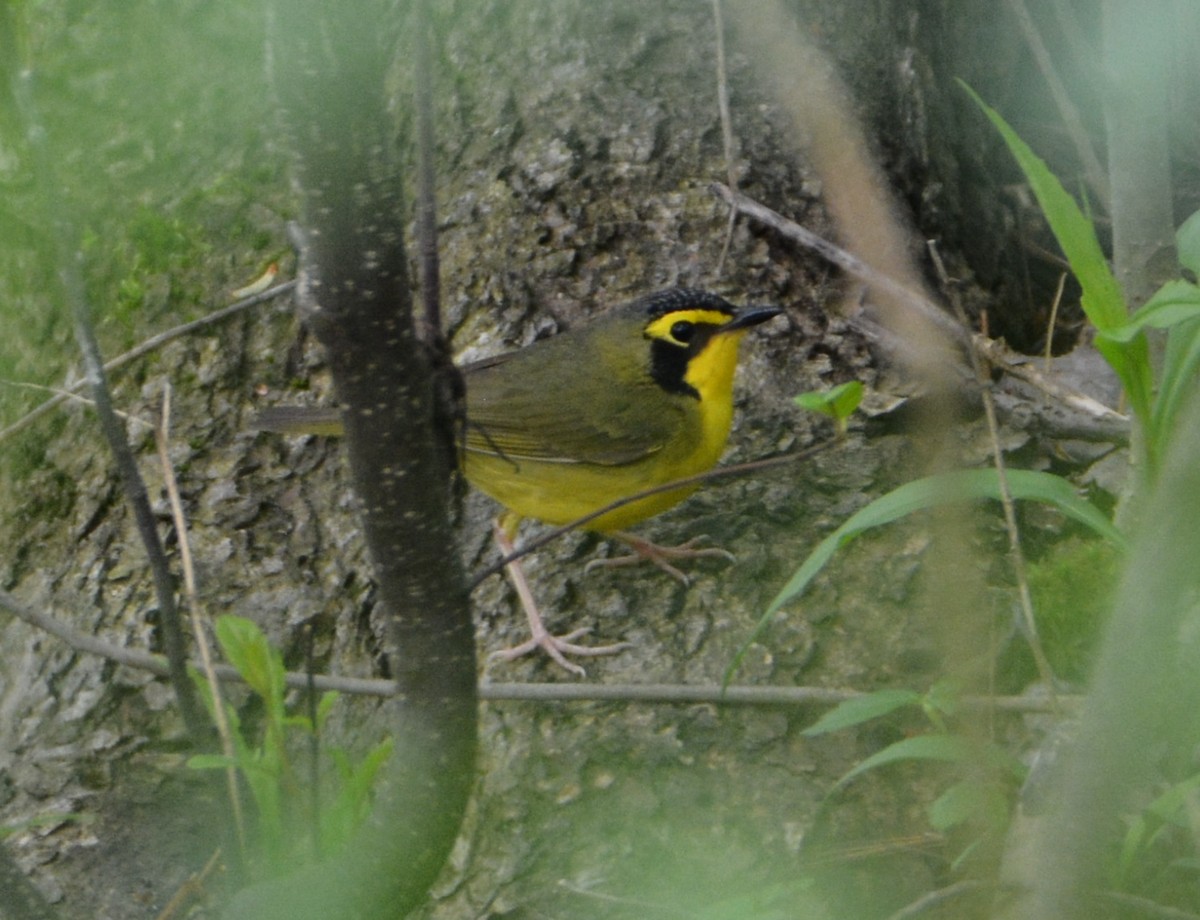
668,367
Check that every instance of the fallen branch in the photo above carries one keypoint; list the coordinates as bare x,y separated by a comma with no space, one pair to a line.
844,260
994,352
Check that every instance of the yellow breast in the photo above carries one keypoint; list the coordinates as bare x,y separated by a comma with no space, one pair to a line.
689,436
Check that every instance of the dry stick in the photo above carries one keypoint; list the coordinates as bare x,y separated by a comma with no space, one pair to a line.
497,692
714,694
844,260
71,279
156,664
191,889
426,198
135,493
1077,43
992,350
155,341
726,132
1006,499
1115,425
161,435
1095,173
1062,283
450,394
69,396
933,899
314,745
642,906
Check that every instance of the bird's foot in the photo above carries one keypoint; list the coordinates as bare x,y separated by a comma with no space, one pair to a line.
558,647
644,550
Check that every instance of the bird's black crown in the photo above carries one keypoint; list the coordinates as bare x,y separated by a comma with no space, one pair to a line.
661,303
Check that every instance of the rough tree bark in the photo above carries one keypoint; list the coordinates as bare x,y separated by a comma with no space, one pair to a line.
577,141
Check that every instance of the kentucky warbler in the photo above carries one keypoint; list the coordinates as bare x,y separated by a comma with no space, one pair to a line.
640,397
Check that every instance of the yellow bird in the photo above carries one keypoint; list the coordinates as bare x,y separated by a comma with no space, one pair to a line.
639,397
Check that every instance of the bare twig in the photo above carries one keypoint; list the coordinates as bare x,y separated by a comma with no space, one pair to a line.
497,692
844,260
1017,555
642,906
1097,176
70,396
726,132
999,355
933,899
426,195
992,350
192,889
73,291
150,344
1050,324
161,439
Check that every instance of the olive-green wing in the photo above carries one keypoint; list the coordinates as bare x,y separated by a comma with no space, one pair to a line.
554,404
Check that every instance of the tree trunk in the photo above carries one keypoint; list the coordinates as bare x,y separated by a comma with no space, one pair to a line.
331,67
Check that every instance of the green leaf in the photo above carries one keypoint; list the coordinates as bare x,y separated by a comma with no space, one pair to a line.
1170,808
1102,299
943,699
1174,303
957,805
300,721
941,489
969,850
1187,243
837,403
325,706
862,709
943,748
210,762
260,665
204,688
1180,365
931,492
351,805
969,801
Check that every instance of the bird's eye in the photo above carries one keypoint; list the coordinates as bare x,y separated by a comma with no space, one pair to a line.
683,331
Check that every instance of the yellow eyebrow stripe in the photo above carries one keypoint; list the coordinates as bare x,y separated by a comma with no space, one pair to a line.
661,327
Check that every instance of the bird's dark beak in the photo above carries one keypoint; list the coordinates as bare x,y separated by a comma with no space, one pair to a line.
751,316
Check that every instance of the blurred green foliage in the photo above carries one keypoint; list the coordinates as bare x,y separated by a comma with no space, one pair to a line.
266,759
160,127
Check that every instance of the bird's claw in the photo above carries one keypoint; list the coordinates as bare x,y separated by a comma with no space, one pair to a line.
644,550
558,647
